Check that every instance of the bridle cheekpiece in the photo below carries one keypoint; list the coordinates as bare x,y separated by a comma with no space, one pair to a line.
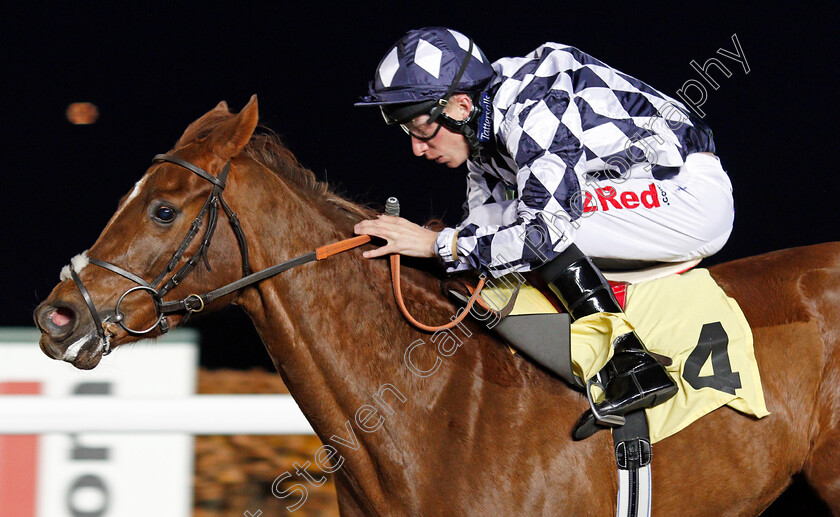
193,302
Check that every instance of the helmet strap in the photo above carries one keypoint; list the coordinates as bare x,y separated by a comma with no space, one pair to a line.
472,140
464,127
437,109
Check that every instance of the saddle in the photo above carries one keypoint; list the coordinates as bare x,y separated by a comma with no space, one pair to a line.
698,333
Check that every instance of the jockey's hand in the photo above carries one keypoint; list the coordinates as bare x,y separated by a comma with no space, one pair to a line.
403,236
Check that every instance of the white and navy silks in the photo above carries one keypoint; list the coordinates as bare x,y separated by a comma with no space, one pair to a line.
588,155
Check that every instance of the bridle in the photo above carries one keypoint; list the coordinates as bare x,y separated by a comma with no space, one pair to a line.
195,303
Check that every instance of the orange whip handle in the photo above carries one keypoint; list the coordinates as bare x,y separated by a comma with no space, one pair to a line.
337,247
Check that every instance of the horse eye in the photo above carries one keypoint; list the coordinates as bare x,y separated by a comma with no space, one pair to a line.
165,214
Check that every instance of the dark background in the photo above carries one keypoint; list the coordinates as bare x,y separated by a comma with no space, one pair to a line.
153,68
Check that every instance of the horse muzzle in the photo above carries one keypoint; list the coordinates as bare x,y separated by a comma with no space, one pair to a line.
68,334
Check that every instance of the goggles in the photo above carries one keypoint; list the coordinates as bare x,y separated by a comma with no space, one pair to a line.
426,127
421,129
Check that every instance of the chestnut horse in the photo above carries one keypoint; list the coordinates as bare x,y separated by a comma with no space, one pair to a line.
475,430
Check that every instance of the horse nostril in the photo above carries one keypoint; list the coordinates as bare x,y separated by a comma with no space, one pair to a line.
56,321
61,316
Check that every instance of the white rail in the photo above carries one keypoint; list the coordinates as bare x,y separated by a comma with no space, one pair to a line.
199,414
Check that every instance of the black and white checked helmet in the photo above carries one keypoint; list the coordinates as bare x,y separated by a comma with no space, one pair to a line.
422,66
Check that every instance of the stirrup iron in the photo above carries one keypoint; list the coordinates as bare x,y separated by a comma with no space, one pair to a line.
607,420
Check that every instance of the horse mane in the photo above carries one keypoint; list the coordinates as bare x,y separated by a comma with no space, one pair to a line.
267,149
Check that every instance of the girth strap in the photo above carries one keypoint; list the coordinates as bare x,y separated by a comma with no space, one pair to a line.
632,456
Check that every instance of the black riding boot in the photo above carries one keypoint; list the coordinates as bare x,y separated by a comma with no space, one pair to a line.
632,379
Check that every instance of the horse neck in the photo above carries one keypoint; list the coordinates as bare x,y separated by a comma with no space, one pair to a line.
336,337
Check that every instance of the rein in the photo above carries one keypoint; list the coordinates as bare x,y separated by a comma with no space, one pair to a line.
194,303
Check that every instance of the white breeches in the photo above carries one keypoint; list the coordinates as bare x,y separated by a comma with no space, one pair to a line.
686,217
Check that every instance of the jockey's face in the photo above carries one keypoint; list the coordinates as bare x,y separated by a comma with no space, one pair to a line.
446,146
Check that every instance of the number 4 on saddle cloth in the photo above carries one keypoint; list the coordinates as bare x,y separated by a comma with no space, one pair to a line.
685,317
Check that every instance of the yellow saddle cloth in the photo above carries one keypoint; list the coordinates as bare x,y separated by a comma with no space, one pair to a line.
686,317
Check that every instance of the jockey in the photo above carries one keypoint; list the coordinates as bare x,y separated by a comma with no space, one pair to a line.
567,158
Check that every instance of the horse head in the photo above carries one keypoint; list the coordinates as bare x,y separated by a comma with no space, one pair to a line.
120,281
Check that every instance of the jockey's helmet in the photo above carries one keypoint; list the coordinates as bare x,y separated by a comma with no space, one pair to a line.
421,71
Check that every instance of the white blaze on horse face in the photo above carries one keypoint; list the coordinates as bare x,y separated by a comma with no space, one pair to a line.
134,192
78,263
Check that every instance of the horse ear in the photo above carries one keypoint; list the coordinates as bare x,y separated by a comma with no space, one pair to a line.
193,129
232,135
